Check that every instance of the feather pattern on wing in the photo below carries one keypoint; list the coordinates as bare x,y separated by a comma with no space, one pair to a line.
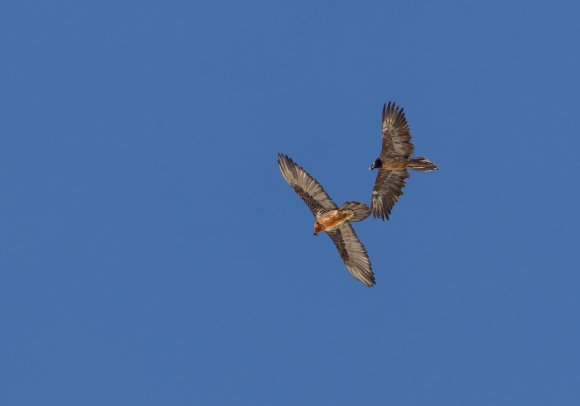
387,190
396,135
353,253
305,185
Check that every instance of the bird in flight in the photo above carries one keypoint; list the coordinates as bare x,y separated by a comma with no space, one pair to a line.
330,218
394,160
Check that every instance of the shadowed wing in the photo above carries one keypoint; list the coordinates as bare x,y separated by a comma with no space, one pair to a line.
388,187
353,253
396,135
305,185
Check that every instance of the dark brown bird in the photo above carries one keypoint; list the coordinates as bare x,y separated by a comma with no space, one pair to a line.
394,160
332,219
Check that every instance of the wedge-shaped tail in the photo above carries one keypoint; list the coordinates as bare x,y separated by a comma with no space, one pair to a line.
360,210
422,164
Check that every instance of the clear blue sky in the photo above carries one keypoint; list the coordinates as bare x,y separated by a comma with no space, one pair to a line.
152,254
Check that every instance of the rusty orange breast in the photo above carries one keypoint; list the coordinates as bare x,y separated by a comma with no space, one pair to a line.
332,219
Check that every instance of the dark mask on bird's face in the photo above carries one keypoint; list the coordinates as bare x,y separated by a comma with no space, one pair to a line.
376,165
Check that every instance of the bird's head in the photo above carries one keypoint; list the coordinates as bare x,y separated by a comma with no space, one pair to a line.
318,228
376,165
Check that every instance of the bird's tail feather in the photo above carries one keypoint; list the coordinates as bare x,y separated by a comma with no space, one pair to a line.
360,210
422,164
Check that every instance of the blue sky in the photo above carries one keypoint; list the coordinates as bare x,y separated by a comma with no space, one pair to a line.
152,254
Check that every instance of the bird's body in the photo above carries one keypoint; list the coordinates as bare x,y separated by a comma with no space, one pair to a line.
327,220
392,163
334,220
330,220
394,160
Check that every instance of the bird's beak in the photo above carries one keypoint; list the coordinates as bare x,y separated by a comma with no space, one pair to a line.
314,234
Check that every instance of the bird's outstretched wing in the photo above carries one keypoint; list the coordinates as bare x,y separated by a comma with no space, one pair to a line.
353,253
396,135
305,185
388,187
